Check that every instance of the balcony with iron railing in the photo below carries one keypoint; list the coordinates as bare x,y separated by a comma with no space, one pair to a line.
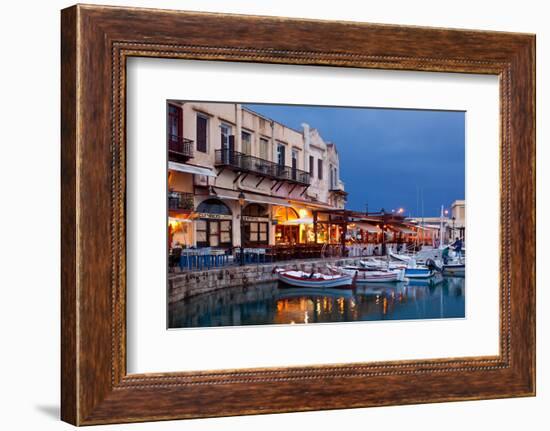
245,163
337,187
181,201
180,149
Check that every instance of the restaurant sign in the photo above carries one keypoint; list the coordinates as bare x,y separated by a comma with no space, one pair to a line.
250,218
214,216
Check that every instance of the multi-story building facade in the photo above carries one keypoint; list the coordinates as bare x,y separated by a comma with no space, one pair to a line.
236,177
323,163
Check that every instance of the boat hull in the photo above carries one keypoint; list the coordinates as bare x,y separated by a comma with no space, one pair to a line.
381,266
419,273
362,276
343,281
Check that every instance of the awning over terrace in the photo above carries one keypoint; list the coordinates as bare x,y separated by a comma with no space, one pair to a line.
250,197
368,227
190,169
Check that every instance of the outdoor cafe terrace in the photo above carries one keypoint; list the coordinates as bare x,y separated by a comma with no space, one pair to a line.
360,234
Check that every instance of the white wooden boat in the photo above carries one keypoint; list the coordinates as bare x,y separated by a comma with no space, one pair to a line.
381,265
365,275
315,279
400,257
411,268
422,257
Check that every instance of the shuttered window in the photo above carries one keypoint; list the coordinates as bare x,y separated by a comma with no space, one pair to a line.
320,169
246,143
294,163
264,149
202,134
281,154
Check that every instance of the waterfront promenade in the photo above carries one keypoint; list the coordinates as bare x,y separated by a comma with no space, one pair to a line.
187,284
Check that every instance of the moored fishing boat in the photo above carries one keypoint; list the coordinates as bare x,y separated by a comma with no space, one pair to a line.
381,265
410,269
422,257
422,271
419,272
365,275
315,279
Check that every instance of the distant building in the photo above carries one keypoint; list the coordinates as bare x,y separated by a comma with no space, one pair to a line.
458,219
453,225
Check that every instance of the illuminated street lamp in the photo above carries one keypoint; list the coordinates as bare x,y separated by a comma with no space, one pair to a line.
384,220
241,203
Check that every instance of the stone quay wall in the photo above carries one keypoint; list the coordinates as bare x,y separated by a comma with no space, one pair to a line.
188,284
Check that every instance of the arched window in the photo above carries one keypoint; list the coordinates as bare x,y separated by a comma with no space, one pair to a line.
214,230
283,214
213,206
255,210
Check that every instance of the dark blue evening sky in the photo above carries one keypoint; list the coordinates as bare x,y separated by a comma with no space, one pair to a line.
389,157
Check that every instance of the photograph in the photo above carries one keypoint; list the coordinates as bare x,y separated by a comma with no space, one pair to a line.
299,214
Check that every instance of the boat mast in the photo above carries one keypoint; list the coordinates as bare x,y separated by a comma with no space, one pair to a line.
416,215
441,233
422,207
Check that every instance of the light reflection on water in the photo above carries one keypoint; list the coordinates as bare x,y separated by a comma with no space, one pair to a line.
274,303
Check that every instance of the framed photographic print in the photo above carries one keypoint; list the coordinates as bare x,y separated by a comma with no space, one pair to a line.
292,215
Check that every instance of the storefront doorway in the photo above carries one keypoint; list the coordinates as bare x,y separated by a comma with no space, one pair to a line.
285,233
213,226
255,222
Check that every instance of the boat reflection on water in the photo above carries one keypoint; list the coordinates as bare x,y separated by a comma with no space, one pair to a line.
296,292
380,288
426,282
276,303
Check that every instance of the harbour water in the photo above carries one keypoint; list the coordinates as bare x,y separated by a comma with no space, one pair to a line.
274,303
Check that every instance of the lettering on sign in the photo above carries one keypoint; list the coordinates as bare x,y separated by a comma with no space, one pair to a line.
214,216
250,218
